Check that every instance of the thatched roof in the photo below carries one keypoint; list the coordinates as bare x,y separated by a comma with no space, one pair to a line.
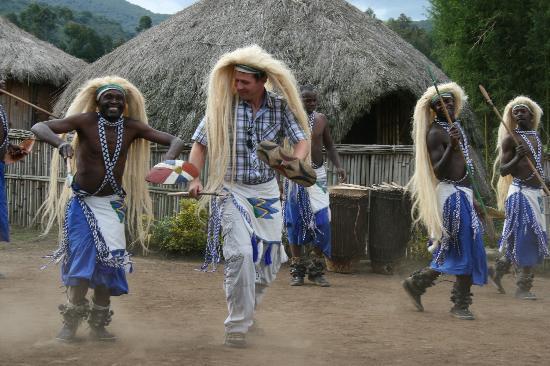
352,59
27,59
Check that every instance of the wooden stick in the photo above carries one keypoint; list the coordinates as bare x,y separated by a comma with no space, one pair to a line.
529,161
28,103
186,194
69,179
68,165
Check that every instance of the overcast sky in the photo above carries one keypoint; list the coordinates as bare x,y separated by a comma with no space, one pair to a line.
384,9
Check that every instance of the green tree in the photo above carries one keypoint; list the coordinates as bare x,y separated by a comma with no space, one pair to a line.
39,20
501,44
370,13
83,42
409,31
81,34
65,14
145,22
12,17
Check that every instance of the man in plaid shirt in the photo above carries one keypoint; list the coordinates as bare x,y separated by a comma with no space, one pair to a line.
249,214
269,120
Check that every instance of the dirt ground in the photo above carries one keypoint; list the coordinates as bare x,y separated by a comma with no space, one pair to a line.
174,316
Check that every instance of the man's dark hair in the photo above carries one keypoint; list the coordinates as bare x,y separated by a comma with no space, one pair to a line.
308,88
259,75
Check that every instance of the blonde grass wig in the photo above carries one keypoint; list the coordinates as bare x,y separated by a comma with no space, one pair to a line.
503,183
138,202
223,98
423,183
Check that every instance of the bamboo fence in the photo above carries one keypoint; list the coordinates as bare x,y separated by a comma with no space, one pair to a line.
27,181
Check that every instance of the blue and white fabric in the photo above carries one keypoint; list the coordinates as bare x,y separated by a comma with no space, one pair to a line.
307,213
524,240
460,251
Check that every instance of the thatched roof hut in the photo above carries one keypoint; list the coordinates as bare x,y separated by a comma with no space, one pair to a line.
368,77
35,70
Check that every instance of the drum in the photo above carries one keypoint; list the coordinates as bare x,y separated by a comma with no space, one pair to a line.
349,218
389,228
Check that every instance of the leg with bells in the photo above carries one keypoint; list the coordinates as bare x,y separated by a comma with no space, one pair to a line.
524,283
100,315
297,265
239,276
74,311
417,283
502,266
316,268
462,298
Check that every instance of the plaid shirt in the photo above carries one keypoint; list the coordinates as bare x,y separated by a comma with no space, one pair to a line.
274,121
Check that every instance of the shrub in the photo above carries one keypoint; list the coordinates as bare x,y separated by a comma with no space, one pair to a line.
417,248
184,233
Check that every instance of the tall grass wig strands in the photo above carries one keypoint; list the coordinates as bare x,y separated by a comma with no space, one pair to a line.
138,202
423,183
222,99
503,183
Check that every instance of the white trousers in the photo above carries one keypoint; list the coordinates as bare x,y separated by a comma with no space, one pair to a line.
245,282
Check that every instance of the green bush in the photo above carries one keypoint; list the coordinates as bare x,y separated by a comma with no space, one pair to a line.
418,246
184,233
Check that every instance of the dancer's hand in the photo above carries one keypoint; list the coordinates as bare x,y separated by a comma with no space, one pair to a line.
16,152
454,133
521,151
341,175
195,188
66,150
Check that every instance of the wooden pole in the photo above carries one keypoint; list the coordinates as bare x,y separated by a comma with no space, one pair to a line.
28,103
186,194
486,144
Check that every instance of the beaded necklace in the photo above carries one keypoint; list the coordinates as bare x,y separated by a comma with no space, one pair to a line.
310,120
5,127
464,147
537,155
110,162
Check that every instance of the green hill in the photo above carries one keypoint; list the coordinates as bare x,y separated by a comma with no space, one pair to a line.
121,11
80,34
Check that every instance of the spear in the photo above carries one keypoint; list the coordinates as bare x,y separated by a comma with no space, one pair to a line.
516,141
28,103
186,194
488,221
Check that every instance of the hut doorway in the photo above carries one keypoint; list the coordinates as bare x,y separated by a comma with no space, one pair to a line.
387,123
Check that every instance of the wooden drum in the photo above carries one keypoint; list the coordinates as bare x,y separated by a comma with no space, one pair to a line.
349,225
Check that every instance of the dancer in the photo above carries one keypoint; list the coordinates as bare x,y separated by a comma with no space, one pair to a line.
443,199
307,211
524,241
6,148
111,149
241,113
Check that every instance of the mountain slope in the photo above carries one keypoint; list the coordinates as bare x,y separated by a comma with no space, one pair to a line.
121,11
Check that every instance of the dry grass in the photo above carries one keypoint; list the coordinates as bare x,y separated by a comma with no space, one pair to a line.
351,59
27,59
